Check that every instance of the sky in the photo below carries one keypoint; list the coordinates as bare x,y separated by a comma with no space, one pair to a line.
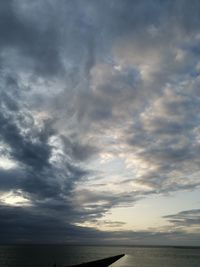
100,122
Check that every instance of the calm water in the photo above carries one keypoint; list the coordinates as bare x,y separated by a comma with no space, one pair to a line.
47,255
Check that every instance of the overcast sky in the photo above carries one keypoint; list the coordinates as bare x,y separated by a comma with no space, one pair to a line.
100,121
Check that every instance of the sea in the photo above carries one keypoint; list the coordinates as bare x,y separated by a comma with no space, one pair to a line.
64,255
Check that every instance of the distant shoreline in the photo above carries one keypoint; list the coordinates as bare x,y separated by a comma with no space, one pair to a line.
102,245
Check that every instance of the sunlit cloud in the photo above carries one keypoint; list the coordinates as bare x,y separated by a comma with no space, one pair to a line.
6,163
15,198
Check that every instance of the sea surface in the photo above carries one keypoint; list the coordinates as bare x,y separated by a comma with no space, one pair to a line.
63,255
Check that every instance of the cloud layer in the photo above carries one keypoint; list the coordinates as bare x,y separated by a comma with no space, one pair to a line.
99,107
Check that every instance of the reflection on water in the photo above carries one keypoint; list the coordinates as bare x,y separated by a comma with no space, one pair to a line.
160,257
47,255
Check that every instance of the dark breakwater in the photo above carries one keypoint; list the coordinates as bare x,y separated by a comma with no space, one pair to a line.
100,263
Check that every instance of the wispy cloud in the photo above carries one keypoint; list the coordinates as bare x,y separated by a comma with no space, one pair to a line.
187,219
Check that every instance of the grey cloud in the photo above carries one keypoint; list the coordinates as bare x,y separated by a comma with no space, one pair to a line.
92,27
35,154
112,223
31,226
93,108
187,218
91,205
166,137
111,98
63,44
40,45
27,225
77,150
11,179
43,182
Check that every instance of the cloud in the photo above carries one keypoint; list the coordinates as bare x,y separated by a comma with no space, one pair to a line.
38,43
80,80
43,175
29,225
164,140
187,219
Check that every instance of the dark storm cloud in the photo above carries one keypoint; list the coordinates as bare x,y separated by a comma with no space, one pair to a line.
31,225
14,120
45,184
38,43
27,226
11,179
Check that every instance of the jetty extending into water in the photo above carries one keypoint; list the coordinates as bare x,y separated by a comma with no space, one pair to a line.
98,263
